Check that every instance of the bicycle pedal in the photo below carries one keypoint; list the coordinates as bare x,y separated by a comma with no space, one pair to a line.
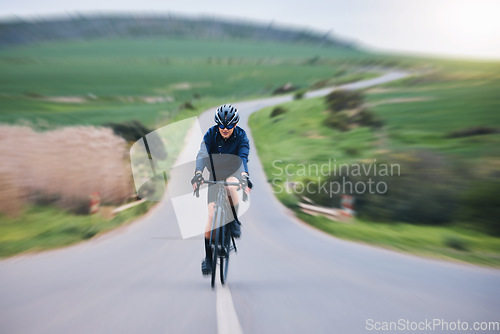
222,252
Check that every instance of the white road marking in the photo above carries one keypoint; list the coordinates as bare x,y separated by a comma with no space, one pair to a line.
227,320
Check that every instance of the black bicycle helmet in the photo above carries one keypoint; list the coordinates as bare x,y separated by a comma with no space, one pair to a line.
226,115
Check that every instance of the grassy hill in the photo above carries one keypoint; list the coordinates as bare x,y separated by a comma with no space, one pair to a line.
442,128
116,26
152,79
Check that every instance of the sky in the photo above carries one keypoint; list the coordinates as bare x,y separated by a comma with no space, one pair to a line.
462,28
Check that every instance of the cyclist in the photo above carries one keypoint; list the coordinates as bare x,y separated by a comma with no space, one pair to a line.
224,151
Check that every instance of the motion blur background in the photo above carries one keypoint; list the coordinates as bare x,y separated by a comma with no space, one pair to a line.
80,83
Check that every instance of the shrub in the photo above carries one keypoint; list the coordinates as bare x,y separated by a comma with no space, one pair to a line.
187,105
277,111
319,198
339,120
299,94
134,130
77,204
481,204
425,192
366,117
345,112
455,243
343,99
472,131
352,151
131,131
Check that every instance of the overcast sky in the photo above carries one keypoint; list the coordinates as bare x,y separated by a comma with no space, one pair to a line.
447,27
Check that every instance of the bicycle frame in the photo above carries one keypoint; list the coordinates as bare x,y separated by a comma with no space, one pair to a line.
218,231
221,205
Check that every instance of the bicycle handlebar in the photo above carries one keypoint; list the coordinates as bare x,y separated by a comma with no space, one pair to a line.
225,183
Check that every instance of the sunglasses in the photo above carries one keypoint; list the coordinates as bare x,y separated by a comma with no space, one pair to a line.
229,127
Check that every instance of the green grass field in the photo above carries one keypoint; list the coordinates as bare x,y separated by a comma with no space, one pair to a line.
41,227
451,243
418,113
436,108
118,80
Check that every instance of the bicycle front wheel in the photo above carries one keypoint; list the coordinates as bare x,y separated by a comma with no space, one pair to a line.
215,255
224,265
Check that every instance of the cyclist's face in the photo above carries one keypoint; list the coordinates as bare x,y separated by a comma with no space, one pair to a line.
226,133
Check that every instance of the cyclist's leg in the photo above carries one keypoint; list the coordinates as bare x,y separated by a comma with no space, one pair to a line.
206,265
234,202
208,227
233,193
212,195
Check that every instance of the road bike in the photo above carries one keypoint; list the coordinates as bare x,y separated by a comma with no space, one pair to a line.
221,240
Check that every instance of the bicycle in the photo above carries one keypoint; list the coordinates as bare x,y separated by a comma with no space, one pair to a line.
221,240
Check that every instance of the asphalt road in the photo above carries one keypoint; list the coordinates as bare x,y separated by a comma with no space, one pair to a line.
286,278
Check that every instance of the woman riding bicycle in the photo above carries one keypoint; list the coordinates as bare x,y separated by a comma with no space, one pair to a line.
224,152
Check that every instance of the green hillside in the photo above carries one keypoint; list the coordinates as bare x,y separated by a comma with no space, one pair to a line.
442,129
150,79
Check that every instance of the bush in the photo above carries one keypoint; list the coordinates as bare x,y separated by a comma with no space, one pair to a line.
425,192
473,131
430,190
77,205
366,117
187,105
338,121
343,99
352,151
455,243
346,111
277,111
481,205
130,131
346,120
134,130
299,94
319,198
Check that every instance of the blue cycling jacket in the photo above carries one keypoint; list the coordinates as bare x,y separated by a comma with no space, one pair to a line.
237,145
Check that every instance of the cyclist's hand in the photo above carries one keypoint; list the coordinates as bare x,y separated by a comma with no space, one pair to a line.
246,185
196,181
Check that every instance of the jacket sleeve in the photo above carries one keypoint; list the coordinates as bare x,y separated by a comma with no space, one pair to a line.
244,150
202,156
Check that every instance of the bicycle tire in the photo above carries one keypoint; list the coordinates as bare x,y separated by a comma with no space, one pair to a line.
214,261
214,242
224,265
